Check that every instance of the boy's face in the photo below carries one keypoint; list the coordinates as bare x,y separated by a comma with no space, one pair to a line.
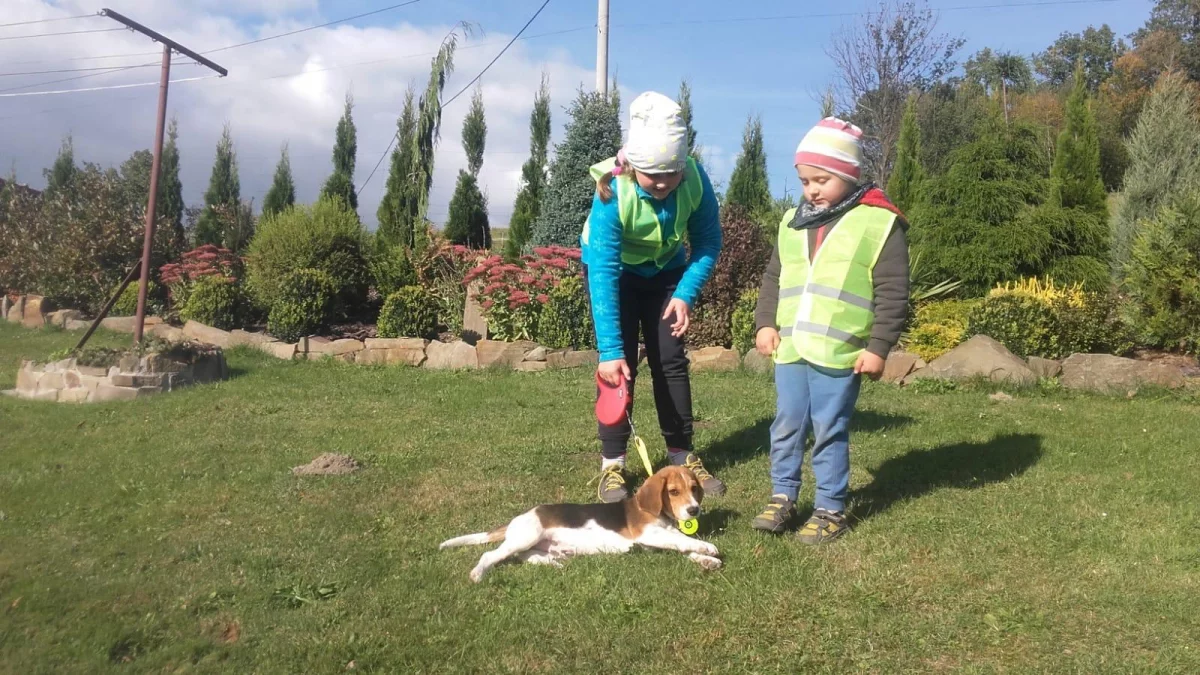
821,188
659,185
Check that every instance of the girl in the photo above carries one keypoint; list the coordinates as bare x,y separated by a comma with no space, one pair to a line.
649,199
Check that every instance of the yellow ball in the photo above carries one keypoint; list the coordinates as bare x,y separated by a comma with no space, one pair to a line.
689,526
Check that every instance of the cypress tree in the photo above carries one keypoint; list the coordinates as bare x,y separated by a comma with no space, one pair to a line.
224,190
533,175
467,220
396,209
907,173
283,190
345,152
748,186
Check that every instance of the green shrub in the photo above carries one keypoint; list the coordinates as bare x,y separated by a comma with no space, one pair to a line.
391,269
744,255
938,327
742,322
304,305
1161,278
411,311
1035,318
127,304
1024,324
325,236
215,301
566,319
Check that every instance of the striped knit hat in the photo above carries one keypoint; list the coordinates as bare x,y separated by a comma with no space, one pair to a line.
835,146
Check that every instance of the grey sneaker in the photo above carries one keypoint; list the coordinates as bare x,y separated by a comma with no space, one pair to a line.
713,487
823,526
612,485
774,518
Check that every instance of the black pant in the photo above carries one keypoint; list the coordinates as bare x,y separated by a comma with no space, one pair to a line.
643,301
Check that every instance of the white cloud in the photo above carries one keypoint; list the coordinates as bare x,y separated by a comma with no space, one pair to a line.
289,90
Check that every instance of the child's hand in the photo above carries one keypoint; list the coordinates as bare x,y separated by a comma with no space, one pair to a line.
767,340
611,371
870,365
680,309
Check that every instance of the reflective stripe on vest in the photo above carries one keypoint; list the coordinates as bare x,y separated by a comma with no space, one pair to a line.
826,307
644,238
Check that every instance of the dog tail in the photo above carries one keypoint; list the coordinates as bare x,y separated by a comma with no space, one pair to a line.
477,539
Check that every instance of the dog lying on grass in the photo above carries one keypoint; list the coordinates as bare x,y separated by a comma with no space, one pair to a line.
549,533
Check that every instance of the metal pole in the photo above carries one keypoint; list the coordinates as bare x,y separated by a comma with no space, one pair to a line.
602,49
112,300
152,202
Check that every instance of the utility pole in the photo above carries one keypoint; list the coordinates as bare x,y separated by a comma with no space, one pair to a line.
152,202
602,49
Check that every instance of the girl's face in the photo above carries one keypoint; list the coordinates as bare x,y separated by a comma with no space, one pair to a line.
821,188
659,185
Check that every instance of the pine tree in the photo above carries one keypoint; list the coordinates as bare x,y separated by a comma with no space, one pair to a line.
685,111
593,134
345,152
283,190
224,190
977,221
533,175
396,208
1164,162
62,173
170,187
904,185
1076,169
425,137
467,220
748,186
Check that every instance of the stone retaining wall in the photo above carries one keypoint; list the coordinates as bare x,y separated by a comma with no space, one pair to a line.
69,382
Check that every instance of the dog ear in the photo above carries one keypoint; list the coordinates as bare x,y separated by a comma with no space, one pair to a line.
650,495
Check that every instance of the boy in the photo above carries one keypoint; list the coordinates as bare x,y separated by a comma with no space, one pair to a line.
833,303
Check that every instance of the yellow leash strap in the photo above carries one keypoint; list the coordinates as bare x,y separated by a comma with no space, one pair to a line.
640,446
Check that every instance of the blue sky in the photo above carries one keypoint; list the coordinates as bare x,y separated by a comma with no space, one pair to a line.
291,90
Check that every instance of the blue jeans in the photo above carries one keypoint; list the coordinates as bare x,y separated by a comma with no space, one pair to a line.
822,399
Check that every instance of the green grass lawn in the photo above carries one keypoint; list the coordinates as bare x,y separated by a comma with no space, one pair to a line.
1050,534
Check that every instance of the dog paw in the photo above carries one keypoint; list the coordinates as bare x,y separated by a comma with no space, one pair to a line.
705,548
707,562
477,574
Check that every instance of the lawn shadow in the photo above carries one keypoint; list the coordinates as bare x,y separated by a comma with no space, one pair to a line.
755,440
714,521
961,465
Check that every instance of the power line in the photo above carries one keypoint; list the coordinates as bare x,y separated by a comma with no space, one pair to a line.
115,69
493,61
323,25
81,70
61,18
69,32
110,86
452,98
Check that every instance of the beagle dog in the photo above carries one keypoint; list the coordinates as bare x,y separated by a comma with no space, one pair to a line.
549,533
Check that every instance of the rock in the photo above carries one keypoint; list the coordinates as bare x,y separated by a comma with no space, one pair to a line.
51,381
124,324
1106,374
167,332
107,392
900,365
336,347
92,371
34,315
71,379
451,356
27,378
77,324
210,368
159,363
245,337
395,343
1000,397
16,311
46,395
4,301
981,356
1044,368
572,359
537,354
62,316
128,363
531,366
391,351
207,334
328,464
757,363
502,354
474,325
280,350
714,359
73,395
